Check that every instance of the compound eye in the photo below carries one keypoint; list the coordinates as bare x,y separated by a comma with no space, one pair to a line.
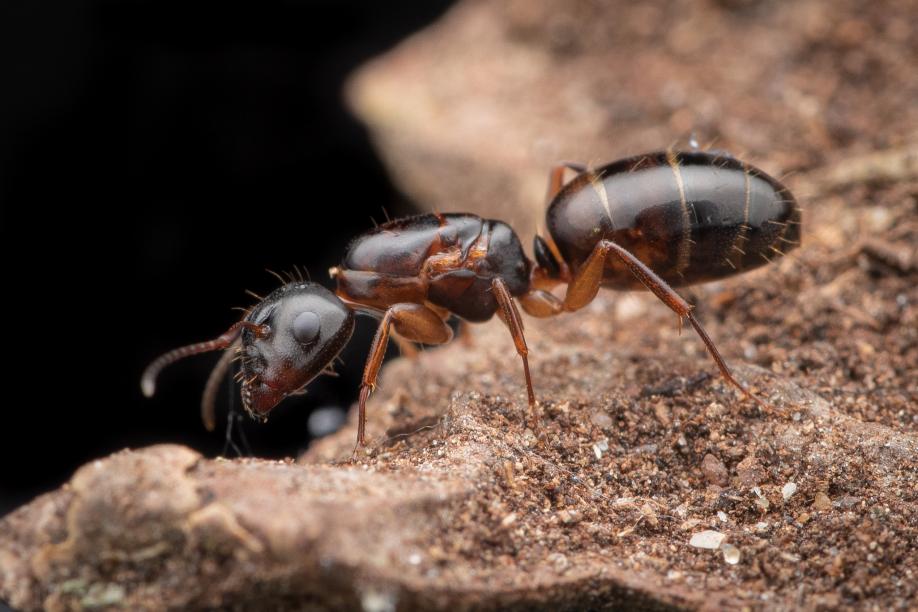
306,327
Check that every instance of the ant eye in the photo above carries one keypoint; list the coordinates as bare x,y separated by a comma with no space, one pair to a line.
306,327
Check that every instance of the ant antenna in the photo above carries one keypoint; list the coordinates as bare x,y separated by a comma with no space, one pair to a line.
148,380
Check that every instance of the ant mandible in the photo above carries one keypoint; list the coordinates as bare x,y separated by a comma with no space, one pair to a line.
656,221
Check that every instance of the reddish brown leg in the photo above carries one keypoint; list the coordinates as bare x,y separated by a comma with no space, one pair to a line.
556,178
541,304
586,283
511,316
413,322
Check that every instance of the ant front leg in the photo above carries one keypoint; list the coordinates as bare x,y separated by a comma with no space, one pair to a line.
412,322
511,316
586,283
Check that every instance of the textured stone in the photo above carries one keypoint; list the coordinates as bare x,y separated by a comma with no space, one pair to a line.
458,503
714,470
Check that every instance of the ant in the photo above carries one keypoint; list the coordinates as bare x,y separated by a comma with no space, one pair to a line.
655,221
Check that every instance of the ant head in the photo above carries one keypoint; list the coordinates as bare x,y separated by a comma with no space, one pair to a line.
291,337
284,342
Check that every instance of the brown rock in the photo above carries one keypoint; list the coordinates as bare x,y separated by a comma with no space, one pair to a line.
821,502
429,520
463,505
714,470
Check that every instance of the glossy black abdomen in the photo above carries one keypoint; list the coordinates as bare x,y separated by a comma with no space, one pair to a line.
691,217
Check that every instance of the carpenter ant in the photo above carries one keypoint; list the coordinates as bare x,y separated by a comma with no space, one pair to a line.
667,219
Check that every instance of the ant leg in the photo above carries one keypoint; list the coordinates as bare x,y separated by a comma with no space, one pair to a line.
414,322
540,304
556,178
586,285
511,316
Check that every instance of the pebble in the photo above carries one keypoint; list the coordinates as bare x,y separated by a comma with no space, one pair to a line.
662,413
708,539
569,517
600,447
760,500
732,554
601,420
714,470
788,490
821,502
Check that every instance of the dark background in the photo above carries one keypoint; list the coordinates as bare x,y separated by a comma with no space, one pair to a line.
156,158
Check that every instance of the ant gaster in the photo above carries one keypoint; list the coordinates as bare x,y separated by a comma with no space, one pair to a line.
654,221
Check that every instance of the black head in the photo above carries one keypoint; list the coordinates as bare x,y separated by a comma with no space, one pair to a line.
296,332
284,342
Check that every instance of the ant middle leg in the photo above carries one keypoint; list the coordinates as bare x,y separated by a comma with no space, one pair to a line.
413,322
585,286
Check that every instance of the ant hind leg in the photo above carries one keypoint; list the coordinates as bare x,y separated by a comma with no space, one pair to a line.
585,285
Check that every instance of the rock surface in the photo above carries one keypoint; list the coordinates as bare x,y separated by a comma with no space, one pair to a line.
459,503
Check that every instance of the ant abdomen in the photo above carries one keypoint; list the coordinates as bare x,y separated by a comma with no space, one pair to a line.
690,217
